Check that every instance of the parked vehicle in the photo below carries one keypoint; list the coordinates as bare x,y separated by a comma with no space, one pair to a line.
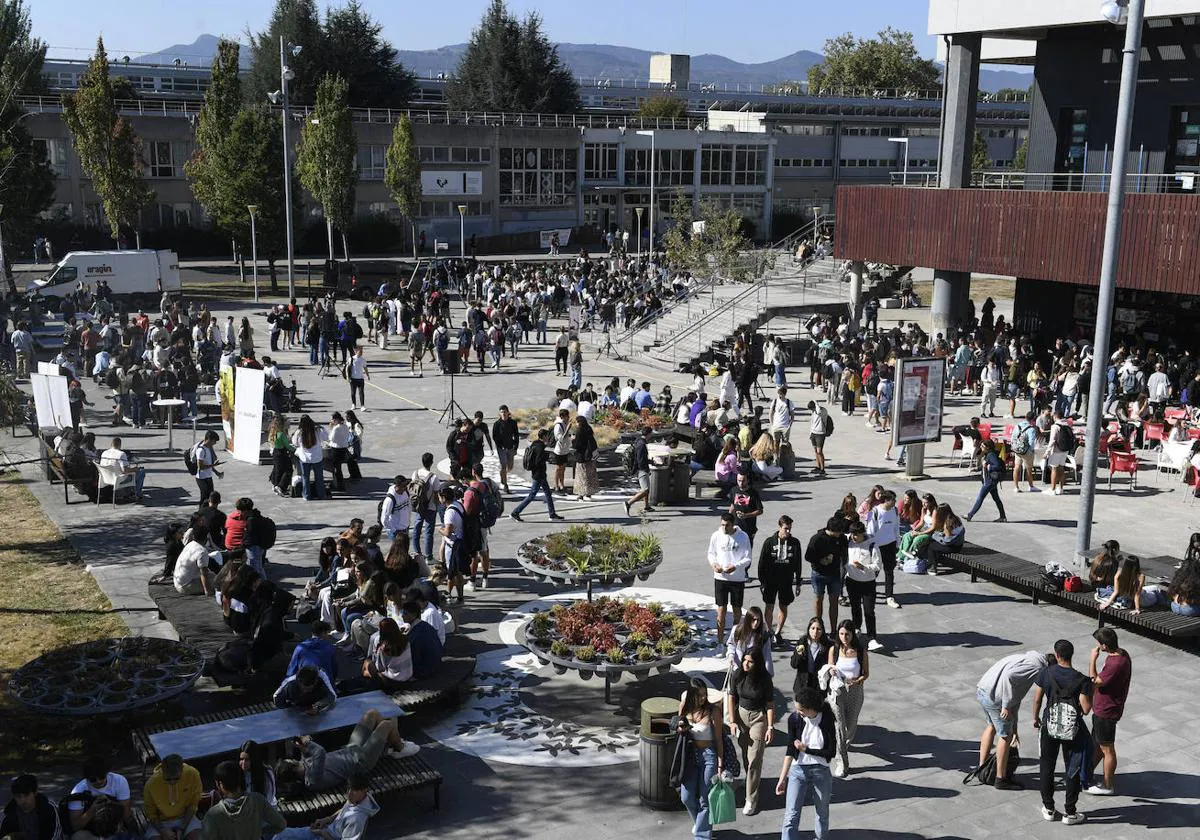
139,277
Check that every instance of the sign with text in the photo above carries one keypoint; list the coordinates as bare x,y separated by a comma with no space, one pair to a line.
918,401
451,182
248,385
564,237
50,400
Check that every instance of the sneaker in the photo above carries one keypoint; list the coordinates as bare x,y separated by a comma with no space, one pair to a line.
647,509
1008,784
1100,790
893,603
874,644
407,751
1074,819
515,518
779,640
556,517
748,810
627,511
484,583
469,586
1049,814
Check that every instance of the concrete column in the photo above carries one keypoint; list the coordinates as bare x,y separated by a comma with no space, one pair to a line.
952,288
857,271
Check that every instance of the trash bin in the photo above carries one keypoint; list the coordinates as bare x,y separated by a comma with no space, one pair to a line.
787,461
681,480
660,480
655,753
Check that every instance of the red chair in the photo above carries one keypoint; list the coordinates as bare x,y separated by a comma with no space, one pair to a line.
1175,413
1122,462
1153,432
985,431
1194,434
1009,428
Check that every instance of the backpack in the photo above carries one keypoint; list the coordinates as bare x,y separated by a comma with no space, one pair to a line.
828,425
1020,443
1063,716
418,494
986,772
629,461
872,382
1064,440
379,509
358,330
190,461
493,503
112,379
472,500
1128,381
263,530
527,459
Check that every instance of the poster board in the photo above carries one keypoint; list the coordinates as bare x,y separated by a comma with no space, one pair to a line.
919,401
564,237
51,401
49,369
248,385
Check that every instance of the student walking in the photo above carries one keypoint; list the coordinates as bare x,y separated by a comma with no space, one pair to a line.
357,371
862,568
1108,703
779,574
1069,696
883,525
811,743
849,658
537,458
992,475
729,558
750,710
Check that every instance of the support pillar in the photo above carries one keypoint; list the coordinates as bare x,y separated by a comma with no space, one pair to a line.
857,270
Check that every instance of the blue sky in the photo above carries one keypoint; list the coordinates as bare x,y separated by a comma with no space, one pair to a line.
750,31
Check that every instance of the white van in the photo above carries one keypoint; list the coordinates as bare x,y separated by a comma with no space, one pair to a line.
137,276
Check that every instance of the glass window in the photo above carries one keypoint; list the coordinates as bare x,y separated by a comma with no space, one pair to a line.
534,177
600,161
55,151
372,161
161,159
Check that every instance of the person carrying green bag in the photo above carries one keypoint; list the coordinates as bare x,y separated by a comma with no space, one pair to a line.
722,806
699,722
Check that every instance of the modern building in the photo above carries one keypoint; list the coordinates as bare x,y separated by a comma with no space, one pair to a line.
1046,227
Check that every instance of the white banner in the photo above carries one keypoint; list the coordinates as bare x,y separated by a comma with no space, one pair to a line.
452,182
564,236
247,413
51,401
49,369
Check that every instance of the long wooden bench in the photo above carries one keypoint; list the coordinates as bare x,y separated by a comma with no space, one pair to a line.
391,775
54,469
708,478
1020,574
1159,622
198,621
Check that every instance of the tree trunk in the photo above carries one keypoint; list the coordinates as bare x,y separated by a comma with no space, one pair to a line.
274,275
329,234
345,247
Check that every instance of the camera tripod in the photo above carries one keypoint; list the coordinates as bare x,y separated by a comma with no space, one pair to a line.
329,367
608,349
452,410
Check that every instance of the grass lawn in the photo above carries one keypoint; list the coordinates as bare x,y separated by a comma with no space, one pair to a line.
48,601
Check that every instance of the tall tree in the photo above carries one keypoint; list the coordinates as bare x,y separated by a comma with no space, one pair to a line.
299,24
663,107
717,248
354,47
889,61
210,167
325,159
402,174
510,65
979,154
26,180
109,150
1022,156
255,176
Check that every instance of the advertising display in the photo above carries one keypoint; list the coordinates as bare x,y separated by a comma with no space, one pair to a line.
443,182
248,386
919,394
564,237
50,400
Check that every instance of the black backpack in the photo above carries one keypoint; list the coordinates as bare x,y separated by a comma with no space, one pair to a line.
828,425
189,459
629,460
527,459
264,531
1064,439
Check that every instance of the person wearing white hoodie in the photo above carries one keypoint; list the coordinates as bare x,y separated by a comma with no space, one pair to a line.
729,557
862,568
349,823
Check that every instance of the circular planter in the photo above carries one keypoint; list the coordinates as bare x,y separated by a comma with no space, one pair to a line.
546,571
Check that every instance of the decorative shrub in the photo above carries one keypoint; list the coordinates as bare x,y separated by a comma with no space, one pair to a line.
592,550
587,653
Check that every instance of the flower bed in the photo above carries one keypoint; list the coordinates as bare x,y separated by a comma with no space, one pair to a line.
583,554
628,421
609,636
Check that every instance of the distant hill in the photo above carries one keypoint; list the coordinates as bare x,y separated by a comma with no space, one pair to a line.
598,61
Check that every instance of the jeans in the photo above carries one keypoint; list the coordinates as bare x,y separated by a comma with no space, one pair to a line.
576,376
358,388
538,484
988,488
780,377
1048,758
694,791
254,558
541,331
313,358
189,397
862,600
422,521
310,473
323,348
801,779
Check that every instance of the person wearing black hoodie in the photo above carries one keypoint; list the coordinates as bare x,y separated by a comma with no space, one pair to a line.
29,813
827,556
779,573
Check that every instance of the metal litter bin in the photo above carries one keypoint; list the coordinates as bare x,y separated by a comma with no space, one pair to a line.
681,480
656,750
660,484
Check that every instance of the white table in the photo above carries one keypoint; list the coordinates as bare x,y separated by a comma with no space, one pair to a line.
170,405
226,736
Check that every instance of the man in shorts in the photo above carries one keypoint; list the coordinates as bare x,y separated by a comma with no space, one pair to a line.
641,468
779,574
818,430
827,554
506,437
1108,702
729,557
1000,693
321,770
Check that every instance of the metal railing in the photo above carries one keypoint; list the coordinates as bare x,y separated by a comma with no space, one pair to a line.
1004,179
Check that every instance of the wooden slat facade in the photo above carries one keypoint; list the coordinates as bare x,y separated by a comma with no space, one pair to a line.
1044,235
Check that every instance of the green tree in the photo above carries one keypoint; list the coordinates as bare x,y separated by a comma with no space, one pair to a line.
889,61
1022,156
325,159
255,176
510,65
109,150
662,107
210,168
354,47
297,21
718,247
402,174
979,154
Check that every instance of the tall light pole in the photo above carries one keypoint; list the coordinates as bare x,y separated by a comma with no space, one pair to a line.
904,141
1115,12
638,212
280,97
650,134
254,248
462,231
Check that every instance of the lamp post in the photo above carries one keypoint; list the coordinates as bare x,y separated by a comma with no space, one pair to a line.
280,97
462,231
638,212
650,134
254,248
1114,12
904,141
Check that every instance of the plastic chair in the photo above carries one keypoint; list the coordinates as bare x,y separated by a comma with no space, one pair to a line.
1194,434
1009,428
967,450
985,431
1121,462
1175,413
1153,432
107,476
1166,464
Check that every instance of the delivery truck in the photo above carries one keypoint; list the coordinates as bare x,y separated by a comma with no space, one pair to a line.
137,278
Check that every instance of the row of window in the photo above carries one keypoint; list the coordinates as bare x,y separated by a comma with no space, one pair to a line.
534,177
733,165
803,162
454,154
146,84
449,209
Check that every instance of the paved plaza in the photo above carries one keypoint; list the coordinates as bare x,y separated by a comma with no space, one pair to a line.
564,764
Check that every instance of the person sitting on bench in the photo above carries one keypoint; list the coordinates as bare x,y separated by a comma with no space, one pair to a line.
317,651
309,689
239,815
170,800
320,770
349,823
423,644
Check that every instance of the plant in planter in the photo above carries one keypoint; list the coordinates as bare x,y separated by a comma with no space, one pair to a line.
666,647
578,535
539,626
645,653
587,653
638,638
560,648
615,655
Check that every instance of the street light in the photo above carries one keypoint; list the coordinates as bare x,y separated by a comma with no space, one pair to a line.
462,231
280,97
638,211
650,134
254,248
903,140
1134,14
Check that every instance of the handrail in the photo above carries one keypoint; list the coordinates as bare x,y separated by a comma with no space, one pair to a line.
756,289
703,287
1006,179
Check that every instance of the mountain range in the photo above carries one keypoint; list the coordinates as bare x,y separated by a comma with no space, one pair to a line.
590,61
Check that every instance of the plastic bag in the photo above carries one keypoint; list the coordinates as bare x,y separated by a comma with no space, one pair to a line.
722,806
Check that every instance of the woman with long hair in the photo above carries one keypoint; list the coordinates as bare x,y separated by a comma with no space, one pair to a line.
1104,565
922,528
849,658
847,512
281,455
402,568
909,511
1192,555
357,431
246,338
389,660
763,454
1128,591
811,654
750,710
308,439
260,778
872,499
705,729
727,466
584,445
1184,591
751,633
327,566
